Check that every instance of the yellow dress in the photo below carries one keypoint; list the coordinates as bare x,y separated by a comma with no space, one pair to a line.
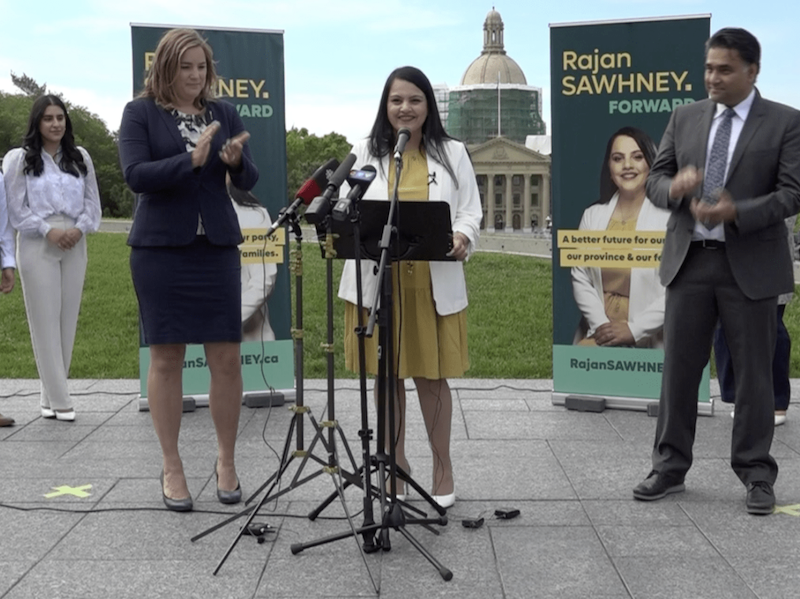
431,346
616,283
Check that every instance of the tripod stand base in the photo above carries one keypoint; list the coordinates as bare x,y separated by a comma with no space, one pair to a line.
395,519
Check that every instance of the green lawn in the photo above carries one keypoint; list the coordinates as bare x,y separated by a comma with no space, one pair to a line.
509,318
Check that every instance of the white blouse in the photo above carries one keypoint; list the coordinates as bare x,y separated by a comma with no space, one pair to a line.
33,199
7,242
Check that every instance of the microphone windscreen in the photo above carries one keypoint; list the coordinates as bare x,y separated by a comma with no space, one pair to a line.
403,135
318,181
324,174
341,173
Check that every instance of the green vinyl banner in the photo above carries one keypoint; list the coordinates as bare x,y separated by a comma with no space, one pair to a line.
250,68
613,88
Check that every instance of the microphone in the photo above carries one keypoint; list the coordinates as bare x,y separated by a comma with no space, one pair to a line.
321,205
307,192
403,136
318,181
359,181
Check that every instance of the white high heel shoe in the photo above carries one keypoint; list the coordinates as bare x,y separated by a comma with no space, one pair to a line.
68,416
445,501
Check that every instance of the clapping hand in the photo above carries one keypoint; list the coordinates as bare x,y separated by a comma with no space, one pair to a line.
684,181
203,147
231,152
723,211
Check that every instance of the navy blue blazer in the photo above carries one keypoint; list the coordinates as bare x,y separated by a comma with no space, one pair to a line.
172,194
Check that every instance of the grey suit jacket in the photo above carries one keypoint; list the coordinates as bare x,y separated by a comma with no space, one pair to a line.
763,179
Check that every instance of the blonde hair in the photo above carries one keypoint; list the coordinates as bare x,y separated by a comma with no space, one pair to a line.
160,79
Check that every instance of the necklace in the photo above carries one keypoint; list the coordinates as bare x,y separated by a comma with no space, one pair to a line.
625,217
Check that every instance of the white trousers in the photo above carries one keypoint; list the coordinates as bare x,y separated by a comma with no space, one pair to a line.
52,284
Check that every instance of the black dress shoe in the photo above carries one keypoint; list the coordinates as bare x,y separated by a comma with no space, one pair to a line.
6,421
760,498
657,486
176,505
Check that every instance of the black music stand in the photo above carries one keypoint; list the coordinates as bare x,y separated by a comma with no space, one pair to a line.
424,233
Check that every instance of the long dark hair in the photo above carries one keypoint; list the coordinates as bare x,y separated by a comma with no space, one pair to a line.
71,158
382,138
242,197
607,186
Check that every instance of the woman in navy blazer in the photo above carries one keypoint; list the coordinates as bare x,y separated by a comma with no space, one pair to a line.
176,145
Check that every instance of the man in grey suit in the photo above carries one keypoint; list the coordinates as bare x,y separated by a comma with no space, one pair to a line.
728,168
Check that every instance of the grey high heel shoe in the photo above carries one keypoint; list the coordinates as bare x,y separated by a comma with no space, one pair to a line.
228,497
176,505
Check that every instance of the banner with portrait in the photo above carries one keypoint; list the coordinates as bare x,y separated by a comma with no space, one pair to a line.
250,68
614,85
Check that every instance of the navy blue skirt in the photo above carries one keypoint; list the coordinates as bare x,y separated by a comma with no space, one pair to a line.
188,294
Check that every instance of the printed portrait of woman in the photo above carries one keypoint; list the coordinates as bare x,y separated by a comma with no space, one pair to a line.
258,279
622,307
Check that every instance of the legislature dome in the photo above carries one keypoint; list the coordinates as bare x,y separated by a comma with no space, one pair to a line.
493,61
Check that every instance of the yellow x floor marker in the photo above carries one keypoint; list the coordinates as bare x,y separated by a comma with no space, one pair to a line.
67,490
792,510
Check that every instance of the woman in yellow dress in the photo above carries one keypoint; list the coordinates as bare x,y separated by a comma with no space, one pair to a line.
430,298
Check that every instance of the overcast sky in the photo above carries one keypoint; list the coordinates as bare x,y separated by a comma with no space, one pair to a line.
338,54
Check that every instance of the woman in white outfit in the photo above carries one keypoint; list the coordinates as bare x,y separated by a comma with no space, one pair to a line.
53,202
8,263
258,279
622,306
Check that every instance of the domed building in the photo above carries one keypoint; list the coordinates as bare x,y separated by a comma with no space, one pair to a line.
494,111
493,61
494,85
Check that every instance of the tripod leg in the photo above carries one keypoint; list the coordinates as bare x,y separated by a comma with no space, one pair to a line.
327,501
284,457
443,572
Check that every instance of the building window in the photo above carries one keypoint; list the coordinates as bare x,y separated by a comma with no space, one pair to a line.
535,200
499,181
498,199
517,199
516,180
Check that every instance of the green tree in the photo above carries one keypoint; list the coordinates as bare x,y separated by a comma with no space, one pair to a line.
305,152
14,112
28,85
91,133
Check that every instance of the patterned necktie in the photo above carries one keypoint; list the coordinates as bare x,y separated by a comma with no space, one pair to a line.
714,179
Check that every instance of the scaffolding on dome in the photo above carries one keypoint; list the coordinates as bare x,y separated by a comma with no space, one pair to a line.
472,114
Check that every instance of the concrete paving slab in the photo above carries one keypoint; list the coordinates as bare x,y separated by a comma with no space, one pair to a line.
134,579
554,561
773,577
670,577
579,533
